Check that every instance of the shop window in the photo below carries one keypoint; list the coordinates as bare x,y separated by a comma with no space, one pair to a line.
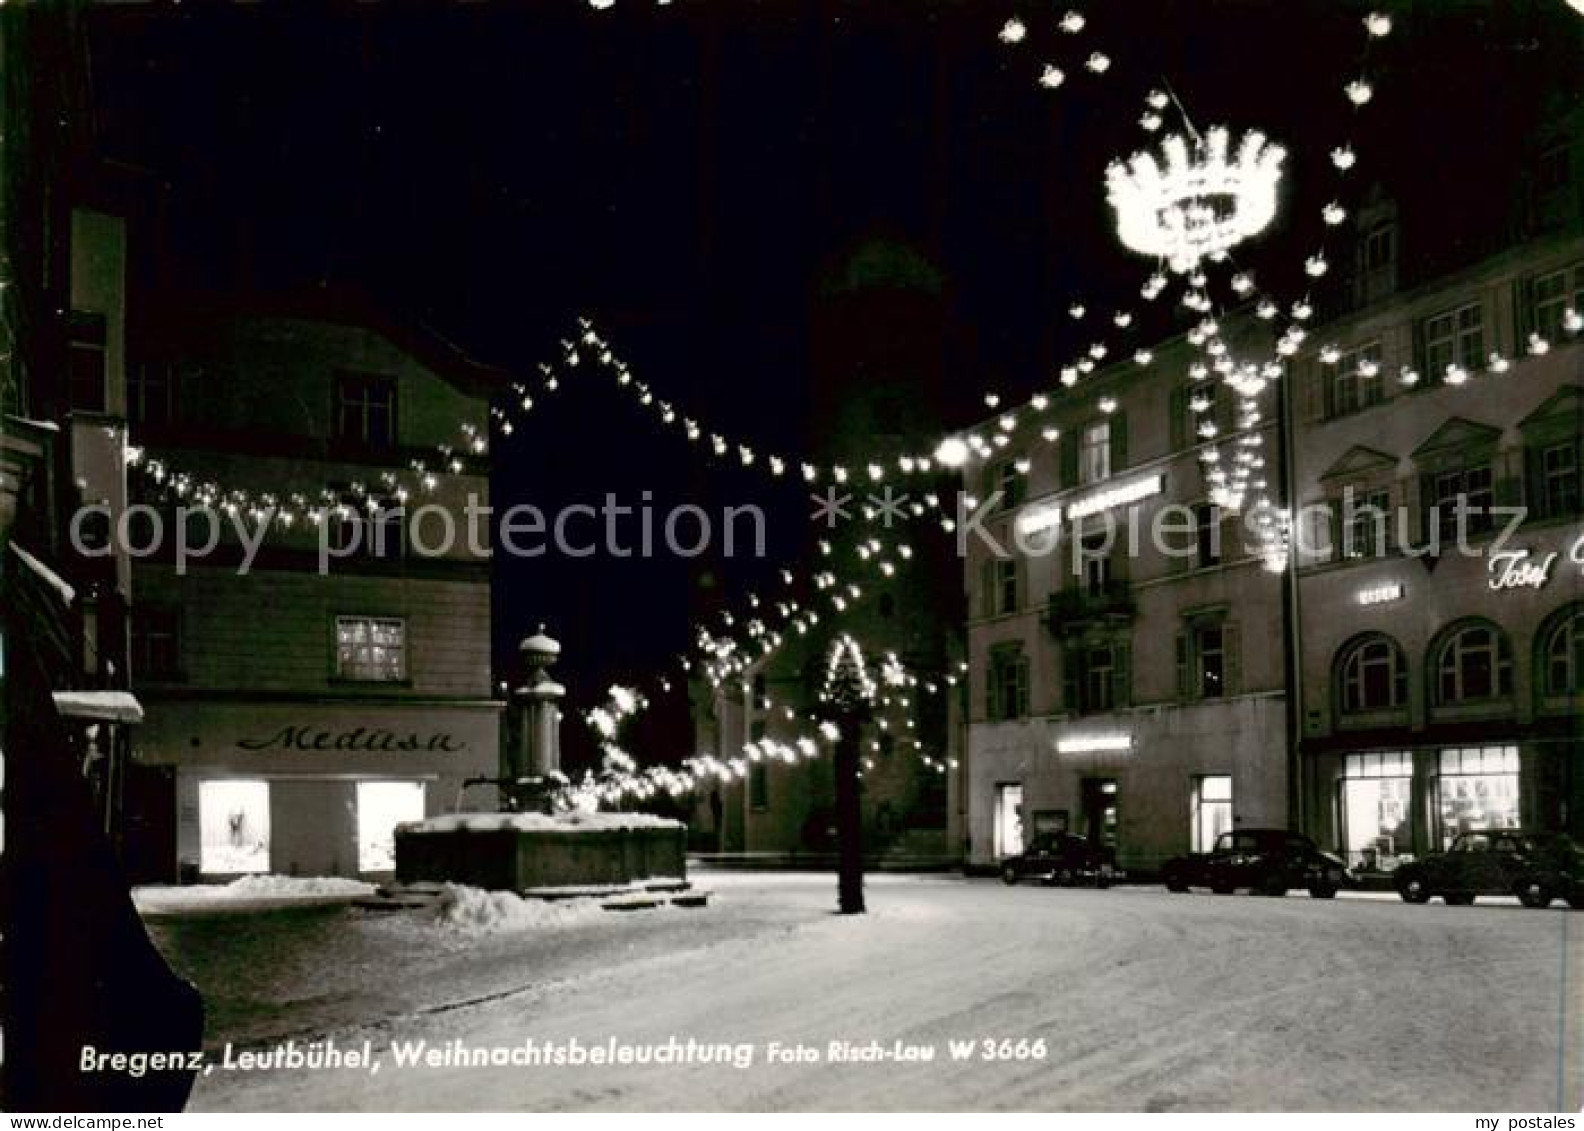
381,806
233,827
1212,809
88,369
1373,675
1008,823
1477,789
366,411
1472,665
1452,337
1562,652
1376,818
1006,690
371,648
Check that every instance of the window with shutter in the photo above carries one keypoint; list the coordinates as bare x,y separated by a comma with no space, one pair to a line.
1184,689
1119,442
1232,659
1121,674
1181,421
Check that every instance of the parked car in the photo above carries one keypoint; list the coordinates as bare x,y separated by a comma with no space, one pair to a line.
1536,867
1059,858
1267,861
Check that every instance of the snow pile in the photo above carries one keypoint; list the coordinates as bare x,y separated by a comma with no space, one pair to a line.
539,822
474,911
248,891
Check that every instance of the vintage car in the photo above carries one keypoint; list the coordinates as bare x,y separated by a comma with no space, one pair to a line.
1266,861
1059,858
1536,867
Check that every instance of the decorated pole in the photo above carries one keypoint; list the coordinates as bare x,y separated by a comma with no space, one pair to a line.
847,701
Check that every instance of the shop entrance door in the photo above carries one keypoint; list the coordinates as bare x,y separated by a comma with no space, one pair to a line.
1100,814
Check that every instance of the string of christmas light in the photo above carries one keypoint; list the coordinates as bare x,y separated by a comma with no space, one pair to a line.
1014,32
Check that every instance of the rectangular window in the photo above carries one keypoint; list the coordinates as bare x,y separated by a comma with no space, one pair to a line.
150,393
1210,642
1356,382
1207,526
381,806
1007,685
368,527
758,786
1468,489
1477,789
1549,298
1212,810
371,648
87,336
1005,595
1559,479
233,827
1094,456
1455,336
1368,524
1008,480
1096,566
1098,678
366,411
1380,245
156,643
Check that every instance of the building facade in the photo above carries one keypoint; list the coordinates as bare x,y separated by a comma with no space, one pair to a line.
308,692
1441,559
880,358
1126,666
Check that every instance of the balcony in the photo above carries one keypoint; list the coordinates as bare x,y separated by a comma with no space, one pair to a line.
1073,610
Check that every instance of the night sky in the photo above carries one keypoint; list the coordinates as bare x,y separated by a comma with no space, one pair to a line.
688,174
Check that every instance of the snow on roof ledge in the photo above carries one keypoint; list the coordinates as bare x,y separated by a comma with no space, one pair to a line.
108,706
539,822
45,574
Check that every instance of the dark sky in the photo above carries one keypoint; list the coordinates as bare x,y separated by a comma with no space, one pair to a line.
686,174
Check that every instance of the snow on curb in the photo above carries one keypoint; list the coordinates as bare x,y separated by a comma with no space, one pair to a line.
473,911
248,891
539,822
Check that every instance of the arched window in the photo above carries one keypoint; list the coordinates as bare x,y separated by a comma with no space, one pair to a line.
1372,675
1473,663
1562,655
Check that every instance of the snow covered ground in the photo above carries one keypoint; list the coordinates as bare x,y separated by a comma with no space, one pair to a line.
248,893
1124,999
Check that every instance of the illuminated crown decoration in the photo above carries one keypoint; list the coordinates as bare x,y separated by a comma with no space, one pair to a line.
1201,202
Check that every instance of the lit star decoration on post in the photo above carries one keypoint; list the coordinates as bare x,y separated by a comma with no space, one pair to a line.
1200,200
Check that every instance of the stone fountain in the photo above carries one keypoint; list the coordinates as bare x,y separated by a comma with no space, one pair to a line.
528,846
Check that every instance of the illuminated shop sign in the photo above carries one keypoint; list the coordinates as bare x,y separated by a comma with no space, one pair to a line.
1522,569
368,739
1038,519
1094,744
1380,594
1117,496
